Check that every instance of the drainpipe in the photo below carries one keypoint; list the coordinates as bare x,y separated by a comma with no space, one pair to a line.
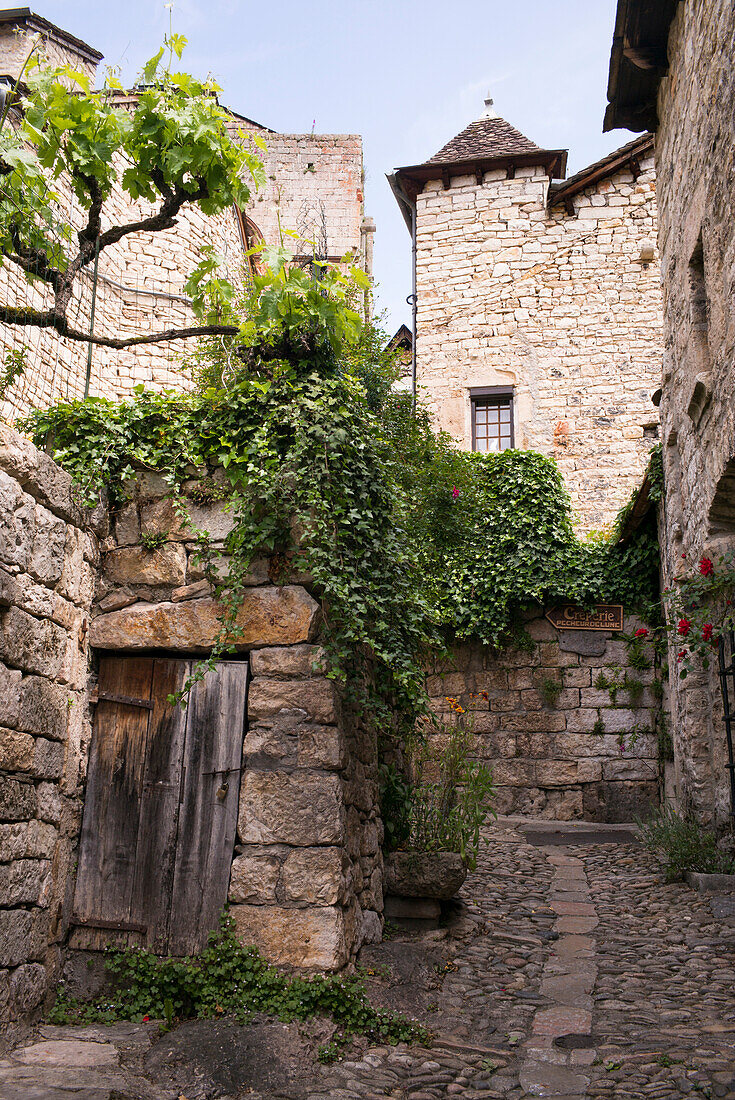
412,302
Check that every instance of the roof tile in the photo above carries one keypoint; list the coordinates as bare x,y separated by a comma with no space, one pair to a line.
487,137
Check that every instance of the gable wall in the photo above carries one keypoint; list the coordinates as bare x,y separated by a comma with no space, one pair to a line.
557,306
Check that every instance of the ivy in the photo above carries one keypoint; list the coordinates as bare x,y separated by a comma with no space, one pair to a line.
229,979
406,536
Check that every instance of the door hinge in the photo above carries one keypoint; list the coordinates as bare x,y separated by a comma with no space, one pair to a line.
126,700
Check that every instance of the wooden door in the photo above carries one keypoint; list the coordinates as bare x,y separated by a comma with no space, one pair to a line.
161,806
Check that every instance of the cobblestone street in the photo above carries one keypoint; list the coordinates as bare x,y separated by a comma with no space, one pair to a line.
571,970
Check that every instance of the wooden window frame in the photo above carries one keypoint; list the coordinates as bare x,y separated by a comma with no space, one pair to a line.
502,395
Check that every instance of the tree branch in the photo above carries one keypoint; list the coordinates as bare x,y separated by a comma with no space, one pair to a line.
58,322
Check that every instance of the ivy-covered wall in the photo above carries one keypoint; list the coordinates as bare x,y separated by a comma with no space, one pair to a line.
573,727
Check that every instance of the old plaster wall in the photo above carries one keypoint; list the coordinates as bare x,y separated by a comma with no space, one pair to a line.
582,753
306,883
511,293
695,159
48,558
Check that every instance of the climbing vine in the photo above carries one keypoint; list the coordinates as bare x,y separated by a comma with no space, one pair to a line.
329,471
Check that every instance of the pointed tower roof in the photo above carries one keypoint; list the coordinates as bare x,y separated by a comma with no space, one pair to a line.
485,145
489,136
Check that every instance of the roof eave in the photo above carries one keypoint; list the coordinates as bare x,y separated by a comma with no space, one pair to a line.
37,22
412,177
638,61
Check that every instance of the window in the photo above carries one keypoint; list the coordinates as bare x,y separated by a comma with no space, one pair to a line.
492,418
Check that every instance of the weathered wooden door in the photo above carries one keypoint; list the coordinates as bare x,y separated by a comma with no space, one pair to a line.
161,806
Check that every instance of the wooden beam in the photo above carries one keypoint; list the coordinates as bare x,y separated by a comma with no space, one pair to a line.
479,175
635,167
569,205
446,182
511,172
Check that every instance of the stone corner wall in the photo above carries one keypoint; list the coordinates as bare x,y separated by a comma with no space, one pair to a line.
306,881
695,162
48,559
581,754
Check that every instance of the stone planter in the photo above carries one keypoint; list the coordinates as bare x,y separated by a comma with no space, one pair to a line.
711,884
416,883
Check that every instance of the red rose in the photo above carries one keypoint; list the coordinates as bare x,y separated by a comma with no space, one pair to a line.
146,1019
683,627
707,632
681,655
641,632
706,568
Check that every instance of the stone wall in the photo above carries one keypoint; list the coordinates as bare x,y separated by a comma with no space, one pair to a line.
140,286
578,752
306,882
512,293
48,557
695,160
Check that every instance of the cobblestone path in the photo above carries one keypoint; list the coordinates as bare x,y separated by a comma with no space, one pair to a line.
570,971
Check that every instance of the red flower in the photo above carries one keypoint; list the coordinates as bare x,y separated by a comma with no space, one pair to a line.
455,492
683,627
146,1019
707,632
706,568
681,655
683,555
641,632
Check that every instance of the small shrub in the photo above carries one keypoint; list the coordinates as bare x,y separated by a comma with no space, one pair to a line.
599,727
602,683
682,844
550,690
151,542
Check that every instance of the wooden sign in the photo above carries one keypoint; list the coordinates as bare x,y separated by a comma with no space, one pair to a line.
605,616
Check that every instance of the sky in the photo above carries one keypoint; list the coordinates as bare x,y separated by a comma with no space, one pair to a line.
405,74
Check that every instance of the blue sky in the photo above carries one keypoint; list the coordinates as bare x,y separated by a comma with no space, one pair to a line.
405,74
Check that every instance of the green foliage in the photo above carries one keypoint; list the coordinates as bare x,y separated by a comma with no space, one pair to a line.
446,804
681,844
550,690
174,140
599,727
13,366
601,681
700,609
229,979
150,541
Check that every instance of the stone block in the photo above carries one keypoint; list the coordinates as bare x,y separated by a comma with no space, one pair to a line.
268,616
191,591
44,708
161,517
27,839
116,599
16,929
313,698
39,475
582,721
535,722
577,677
16,751
46,561
424,874
28,986
646,770
254,878
49,803
309,938
48,758
299,808
586,643
17,530
321,747
25,882
10,680
136,565
615,802
8,589
513,773
296,660
35,645
619,719
313,876
17,800
541,630
398,908
127,525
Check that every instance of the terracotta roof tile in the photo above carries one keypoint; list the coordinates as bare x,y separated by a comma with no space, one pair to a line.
487,137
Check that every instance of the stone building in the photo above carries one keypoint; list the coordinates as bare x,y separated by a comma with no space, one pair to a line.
313,189
671,71
538,304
